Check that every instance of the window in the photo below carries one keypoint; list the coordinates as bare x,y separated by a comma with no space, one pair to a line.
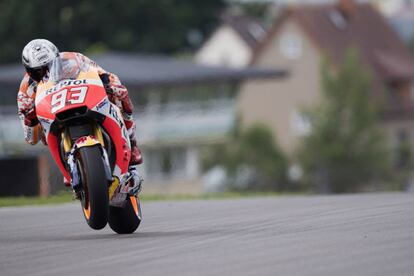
412,92
300,124
337,19
166,162
403,153
291,46
153,162
256,31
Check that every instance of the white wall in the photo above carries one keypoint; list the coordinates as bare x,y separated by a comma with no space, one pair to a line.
278,103
224,48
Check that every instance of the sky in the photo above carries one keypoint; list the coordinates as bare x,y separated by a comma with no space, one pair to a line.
388,7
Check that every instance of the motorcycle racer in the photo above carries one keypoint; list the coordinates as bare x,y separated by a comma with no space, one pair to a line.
37,56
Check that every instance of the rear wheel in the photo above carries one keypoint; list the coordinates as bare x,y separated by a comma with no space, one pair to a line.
127,219
94,197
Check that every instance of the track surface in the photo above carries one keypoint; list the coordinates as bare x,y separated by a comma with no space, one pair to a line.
330,235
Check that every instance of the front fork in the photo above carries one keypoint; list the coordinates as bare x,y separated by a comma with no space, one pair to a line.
119,189
71,151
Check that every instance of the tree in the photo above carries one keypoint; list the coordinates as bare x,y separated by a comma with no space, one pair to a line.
257,10
155,26
252,161
345,149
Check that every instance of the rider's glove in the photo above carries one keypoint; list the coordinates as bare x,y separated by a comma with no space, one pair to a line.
30,118
27,109
113,86
119,91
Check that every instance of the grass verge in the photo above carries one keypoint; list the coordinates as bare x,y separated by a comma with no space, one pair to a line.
63,197
66,197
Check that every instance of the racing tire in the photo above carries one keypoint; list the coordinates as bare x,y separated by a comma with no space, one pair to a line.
125,220
94,199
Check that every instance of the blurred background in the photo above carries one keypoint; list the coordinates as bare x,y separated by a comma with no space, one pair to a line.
231,95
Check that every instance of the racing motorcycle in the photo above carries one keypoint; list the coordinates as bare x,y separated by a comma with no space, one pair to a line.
88,140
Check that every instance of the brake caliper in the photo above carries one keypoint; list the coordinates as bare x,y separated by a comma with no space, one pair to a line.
74,170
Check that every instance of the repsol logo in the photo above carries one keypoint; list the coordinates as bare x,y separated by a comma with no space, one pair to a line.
65,83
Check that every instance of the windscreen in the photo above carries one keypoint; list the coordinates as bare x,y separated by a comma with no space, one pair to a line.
62,68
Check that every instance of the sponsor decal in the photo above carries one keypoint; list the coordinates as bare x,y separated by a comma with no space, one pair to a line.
101,104
44,121
42,58
64,83
115,115
125,133
86,141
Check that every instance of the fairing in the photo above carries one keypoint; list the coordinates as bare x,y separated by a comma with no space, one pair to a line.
84,88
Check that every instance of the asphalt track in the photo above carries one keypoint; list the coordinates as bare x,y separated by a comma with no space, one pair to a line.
318,235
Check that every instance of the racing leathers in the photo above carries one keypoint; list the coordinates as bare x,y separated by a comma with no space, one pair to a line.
117,94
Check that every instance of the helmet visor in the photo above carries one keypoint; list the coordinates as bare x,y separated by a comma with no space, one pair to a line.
37,74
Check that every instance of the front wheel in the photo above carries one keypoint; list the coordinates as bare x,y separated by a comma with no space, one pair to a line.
94,196
127,219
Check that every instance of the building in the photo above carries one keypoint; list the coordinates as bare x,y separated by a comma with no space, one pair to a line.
181,109
233,43
300,38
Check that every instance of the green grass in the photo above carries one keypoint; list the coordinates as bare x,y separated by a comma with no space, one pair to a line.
225,195
63,197
66,197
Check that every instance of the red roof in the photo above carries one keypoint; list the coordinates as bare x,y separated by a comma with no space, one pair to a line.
334,28
249,28
365,29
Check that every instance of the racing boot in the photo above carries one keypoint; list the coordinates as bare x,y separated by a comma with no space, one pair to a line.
136,156
136,181
66,182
